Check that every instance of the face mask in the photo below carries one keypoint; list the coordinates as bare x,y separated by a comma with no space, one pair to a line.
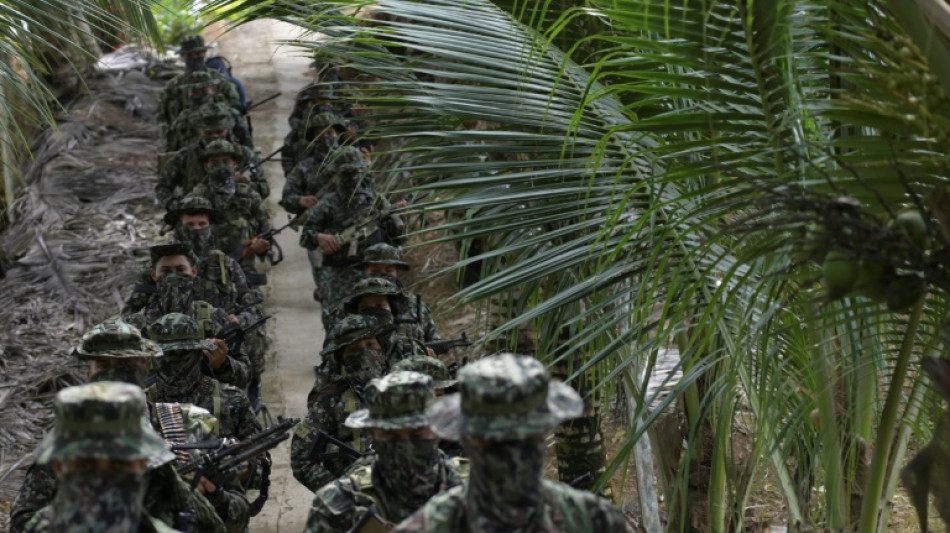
363,365
175,292
193,63
384,317
410,473
97,502
504,490
201,240
179,371
126,373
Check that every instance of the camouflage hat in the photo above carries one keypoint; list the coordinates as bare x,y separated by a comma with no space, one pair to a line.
223,147
395,401
350,329
103,420
213,116
371,285
317,90
178,332
321,121
348,158
191,43
169,247
198,79
504,397
117,340
430,366
384,254
193,204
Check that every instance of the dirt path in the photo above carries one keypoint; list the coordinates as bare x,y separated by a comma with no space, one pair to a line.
296,327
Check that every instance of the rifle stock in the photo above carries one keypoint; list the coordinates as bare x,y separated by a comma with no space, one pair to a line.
443,347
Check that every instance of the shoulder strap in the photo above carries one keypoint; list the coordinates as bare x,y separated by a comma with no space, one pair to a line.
349,404
204,311
222,265
216,400
462,467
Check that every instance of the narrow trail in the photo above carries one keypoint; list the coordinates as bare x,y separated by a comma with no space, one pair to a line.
296,327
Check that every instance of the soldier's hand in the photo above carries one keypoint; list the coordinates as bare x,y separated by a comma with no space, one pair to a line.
307,202
258,245
400,204
241,177
234,318
430,352
327,243
205,486
219,355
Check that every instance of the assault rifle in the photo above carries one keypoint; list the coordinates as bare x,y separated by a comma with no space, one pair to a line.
268,235
252,104
254,165
319,450
228,460
233,334
363,228
442,347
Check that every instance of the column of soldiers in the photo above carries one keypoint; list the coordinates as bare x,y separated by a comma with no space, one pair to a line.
391,435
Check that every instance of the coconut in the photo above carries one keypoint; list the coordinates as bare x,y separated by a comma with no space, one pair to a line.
914,225
904,291
873,277
840,272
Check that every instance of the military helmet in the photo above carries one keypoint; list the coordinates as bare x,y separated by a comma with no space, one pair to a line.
395,401
213,116
102,420
170,246
351,328
178,332
198,79
223,147
317,90
504,397
371,285
191,43
115,339
193,204
430,366
384,254
348,158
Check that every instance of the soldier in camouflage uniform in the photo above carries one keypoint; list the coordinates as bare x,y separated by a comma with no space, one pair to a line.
116,351
175,271
100,448
506,406
383,300
315,100
352,204
352,357
312,174
244,217
173,97
406,470
442,383
181,381
385,260
183,170
186,125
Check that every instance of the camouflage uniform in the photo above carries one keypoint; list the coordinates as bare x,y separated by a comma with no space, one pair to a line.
313,171
183,169
337,392
167,496
415,311
173,98
243,215
175,293
407,338
189,123
180,381
352,199
506,405
403,474
313,100
442,383
103,420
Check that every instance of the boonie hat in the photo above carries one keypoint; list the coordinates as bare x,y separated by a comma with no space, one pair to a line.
384,254
395,401
115,339
171,246
371,285
103,420
193,204
504,397
351,328
178,332
430,366
191,43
